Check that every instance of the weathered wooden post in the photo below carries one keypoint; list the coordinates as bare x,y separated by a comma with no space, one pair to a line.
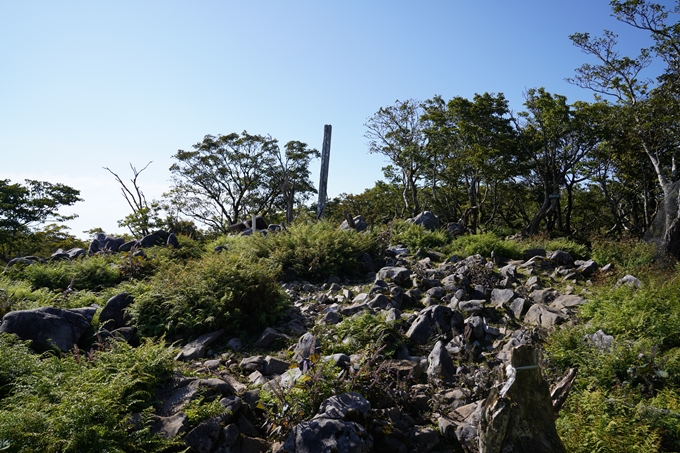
323,183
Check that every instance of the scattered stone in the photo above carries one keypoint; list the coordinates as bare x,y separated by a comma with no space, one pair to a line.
197,348
269,337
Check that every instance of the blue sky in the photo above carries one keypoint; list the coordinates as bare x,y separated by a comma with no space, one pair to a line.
86,85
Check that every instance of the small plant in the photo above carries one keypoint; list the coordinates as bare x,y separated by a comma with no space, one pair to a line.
483,244
92,273
416,236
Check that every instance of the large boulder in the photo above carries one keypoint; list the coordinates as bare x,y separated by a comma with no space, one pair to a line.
358,223
49,326
427,219
104,243
159,237
337,427
114,316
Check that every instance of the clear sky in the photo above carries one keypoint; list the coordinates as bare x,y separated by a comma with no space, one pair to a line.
88,84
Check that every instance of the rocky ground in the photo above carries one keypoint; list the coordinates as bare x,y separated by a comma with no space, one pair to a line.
428,354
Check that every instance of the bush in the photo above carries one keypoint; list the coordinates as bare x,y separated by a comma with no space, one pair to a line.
217,291
416,236
314,250
483,244
630,256
92,273
576,250
83,403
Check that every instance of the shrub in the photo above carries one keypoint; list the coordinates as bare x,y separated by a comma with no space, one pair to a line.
217,291
92,273
314,250
576,250
630,256
416,236
362,332
483,244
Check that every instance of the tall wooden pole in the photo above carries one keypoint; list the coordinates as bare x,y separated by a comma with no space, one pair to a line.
323,183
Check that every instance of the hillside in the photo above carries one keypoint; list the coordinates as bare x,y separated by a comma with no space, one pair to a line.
317,338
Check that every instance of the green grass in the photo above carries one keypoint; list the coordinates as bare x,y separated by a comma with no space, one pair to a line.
483,244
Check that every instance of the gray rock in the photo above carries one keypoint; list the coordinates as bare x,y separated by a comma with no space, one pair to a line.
547,317
360,224
307,345
426,219
197,348
567,301
471,307
425,437
273,365
203,438
113,315
441,366
586,268
172,241
630,281
235,344
420,330
561,258
336,428
269,337
396,275
254,363
502,297
47,326
519,307
530,253
601,340
543,296
170,427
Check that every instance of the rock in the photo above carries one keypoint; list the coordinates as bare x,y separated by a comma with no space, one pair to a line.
502,297
425,437
426,219
567,301
204,437
543,296
519,307
471,307
601,340
197,348
235,344
269,337
420,329
47,326
441,366
274,366
403,369
254,363
170,427
127,246
455,229
586,268
396,275
629,281
337,428
172,241
358,224
307,345
530,253
380,301
561,258
547,317
114,316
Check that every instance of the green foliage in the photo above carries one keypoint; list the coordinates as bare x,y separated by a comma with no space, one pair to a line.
361,333
595,421
82,403
630,256
198,410
217,291
483,244
416,236
287,408
314,250
576,250
93,273
625,399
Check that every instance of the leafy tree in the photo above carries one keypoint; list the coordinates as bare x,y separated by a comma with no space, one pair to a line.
291,174
556,137
471,142
654,113
397,132
228,177
23,207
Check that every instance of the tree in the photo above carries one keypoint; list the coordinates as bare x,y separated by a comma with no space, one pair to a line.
471,142
23,207
228,177
291,174
397,132
654,113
